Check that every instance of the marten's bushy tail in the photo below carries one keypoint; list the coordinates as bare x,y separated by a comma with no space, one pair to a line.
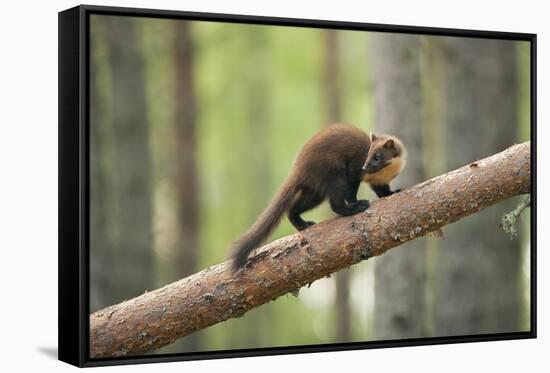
264,225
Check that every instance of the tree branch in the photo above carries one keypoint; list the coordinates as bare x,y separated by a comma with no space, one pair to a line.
159,317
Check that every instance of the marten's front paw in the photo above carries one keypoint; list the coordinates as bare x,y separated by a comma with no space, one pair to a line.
362,205
306,225
309,223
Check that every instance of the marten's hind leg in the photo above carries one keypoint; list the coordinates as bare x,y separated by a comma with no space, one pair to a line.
306,200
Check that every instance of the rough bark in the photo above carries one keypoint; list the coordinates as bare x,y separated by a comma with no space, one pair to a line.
215,294
400,276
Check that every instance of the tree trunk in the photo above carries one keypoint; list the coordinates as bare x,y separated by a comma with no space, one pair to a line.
215,294
400,276
478,257
331,75
101,258
185,161
132,254
334,113
258,176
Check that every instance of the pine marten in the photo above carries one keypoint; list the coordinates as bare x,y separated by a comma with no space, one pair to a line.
330,165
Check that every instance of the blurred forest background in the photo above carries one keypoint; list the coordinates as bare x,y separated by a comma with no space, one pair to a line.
194,125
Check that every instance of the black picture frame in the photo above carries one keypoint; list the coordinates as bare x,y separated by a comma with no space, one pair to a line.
74,182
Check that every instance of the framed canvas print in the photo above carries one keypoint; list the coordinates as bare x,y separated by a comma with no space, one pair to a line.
233,186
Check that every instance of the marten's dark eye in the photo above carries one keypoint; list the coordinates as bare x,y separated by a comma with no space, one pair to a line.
376,157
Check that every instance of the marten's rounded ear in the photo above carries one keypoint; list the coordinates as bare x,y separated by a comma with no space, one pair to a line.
389,144
372,137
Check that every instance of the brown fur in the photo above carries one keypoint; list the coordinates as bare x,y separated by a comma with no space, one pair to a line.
329,165
327,152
